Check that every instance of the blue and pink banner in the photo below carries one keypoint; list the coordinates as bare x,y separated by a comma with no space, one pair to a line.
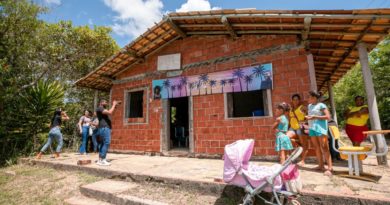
238,80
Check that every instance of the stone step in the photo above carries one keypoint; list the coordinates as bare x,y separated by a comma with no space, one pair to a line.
83,200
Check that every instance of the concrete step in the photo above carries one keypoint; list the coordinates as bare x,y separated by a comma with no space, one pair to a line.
83,200
115,192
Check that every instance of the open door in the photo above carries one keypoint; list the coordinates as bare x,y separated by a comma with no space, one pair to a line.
179,124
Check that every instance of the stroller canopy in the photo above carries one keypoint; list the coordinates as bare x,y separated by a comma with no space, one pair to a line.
236,157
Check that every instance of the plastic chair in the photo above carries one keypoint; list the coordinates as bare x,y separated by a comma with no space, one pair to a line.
179,135
258,113
355,154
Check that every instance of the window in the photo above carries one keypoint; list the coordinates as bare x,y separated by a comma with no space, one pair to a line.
135,104
247,104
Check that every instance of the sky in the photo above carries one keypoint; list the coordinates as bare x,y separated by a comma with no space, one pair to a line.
130,18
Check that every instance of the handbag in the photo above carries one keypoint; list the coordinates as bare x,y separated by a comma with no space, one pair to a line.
90,131
303,126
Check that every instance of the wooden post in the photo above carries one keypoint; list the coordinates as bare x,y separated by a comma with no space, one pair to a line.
312,72
371,97
331,100
95,100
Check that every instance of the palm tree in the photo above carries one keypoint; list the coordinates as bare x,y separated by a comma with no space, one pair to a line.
238,73
248,79
198,85
231,82
167,85
212,84
179,88
173,88
222,83
184,82
192,85
203,79
258,71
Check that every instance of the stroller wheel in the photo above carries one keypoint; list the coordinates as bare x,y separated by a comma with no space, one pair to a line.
294,202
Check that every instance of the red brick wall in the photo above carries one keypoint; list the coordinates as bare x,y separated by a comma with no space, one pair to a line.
211,130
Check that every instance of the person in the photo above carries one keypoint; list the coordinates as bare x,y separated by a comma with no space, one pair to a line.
318,116
104,129
84,123
357,117
283,142
297,125
55,132
157,92
94,126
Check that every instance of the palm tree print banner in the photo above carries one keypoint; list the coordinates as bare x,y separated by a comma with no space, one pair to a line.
238,80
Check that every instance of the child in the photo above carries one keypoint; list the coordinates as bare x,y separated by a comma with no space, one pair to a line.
283,142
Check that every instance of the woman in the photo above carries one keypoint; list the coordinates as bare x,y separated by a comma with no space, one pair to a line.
84,124
357,117
318,130
297,120
55,132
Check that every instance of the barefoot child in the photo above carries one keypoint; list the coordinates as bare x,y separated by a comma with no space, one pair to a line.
283,142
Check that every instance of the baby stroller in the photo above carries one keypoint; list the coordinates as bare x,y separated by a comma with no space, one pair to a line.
256,179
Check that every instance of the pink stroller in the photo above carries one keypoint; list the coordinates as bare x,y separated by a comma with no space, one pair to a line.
256,179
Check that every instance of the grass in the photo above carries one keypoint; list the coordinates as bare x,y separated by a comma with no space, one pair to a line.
23,184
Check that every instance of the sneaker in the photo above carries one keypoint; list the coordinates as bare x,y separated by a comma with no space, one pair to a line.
105,163
98,162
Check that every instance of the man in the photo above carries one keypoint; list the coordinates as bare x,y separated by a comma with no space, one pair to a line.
357,117
104,129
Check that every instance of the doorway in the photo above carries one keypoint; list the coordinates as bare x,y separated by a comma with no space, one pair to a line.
179,123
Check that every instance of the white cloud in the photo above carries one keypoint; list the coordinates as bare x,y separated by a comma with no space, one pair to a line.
55,2
134,16
196,5
90,21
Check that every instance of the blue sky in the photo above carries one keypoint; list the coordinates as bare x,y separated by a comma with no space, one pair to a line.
130,18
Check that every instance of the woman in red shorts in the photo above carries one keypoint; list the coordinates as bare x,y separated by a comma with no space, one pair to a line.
357,117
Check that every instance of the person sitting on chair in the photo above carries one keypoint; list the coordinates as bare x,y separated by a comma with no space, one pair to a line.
357,117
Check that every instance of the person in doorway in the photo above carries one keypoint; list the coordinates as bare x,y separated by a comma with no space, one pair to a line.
357,117
94,126
297,125
55,132
283,142
318,116
84,123
104,130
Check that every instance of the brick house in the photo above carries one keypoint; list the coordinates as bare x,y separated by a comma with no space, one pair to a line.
304,50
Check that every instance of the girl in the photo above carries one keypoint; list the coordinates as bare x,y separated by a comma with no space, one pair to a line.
84,124
297,119
283,142
55,132
318,130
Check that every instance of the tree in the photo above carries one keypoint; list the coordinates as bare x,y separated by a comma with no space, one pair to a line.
238,73
33,51
352,84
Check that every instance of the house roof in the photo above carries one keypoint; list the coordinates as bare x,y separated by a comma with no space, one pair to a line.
330,35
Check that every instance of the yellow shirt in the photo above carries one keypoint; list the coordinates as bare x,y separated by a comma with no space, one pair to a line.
355,120
294,122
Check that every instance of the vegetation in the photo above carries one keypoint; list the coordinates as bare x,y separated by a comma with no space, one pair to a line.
352,84
39,63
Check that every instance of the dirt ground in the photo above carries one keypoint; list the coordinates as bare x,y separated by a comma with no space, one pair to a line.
24,184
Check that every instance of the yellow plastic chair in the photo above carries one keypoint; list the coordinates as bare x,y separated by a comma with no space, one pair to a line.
355,154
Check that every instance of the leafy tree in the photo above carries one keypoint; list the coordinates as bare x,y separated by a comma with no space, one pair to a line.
32,52
352,84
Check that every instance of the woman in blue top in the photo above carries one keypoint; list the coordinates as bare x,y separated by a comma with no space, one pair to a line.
318,130
283,142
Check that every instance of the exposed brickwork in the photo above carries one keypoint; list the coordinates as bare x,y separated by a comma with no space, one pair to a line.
211,130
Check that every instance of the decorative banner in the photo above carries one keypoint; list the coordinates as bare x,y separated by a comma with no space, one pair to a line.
238,80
